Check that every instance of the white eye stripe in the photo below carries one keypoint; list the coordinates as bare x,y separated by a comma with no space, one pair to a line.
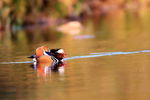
60,51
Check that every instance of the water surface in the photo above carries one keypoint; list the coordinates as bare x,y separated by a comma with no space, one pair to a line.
108,60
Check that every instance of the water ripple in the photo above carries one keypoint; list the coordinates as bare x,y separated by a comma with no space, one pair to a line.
91,55
20,62
106,54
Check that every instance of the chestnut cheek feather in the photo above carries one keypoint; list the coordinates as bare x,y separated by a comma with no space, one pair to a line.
60,56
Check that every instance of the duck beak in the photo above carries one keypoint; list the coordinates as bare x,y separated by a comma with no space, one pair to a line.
60,56
65,55
32,56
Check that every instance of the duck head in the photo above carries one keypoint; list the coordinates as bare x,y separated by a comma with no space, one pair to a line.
57,53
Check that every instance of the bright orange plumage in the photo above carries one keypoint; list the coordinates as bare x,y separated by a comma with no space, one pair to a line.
44,59
40,51
47,59
44,55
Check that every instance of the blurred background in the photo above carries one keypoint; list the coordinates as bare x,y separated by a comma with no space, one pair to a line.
32,23
25,16
80,27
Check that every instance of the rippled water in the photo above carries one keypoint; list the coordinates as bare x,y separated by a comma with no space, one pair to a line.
107,61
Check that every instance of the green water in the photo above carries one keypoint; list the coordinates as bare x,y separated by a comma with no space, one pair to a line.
113,77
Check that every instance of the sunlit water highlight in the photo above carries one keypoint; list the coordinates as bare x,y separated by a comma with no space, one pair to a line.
91,55
106,54
21,62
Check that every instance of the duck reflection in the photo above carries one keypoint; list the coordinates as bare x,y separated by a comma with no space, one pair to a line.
44,69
